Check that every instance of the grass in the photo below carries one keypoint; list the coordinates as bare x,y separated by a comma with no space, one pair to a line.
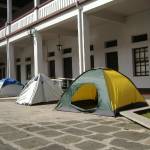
144,113
147,115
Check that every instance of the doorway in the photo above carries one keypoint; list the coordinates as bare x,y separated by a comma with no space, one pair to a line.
2,70
112,60
67,65
67,71
18,72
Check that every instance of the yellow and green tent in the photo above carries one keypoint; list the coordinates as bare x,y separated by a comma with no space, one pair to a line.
101,91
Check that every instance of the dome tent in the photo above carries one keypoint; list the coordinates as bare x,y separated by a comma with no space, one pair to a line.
39,89
101,91
10,87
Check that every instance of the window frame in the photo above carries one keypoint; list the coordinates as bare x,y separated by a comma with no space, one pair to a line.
140,61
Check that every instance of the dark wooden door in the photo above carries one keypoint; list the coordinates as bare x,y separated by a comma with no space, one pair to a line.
67,65
112,60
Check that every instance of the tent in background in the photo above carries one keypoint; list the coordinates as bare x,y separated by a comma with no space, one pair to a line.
39,89
10,87
101,91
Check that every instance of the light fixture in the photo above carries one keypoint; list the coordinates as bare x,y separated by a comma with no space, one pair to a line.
59,45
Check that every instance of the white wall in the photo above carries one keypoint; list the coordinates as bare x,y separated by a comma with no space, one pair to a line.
67,42
137,24
22,53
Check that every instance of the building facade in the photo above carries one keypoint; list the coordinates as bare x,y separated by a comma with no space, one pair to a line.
63,38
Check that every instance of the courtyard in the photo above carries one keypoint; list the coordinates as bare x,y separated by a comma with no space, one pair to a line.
41,127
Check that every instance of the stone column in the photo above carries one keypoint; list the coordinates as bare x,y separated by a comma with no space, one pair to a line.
83,41
10,61
36,3
38,53
9,11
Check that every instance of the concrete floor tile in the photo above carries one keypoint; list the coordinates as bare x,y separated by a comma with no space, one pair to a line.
53,147
90,145
75,131
32,142
14,135
132,135
103,129
67,139
50,133
129,145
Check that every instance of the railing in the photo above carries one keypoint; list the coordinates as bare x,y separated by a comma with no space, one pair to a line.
26,20
53,7
2,33
47,9
64,83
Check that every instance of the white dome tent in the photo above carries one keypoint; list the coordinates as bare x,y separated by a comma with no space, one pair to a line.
39,89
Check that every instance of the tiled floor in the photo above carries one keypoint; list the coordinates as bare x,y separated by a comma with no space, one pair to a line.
43,128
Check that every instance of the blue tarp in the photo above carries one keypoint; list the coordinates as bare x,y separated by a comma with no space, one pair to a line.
8,81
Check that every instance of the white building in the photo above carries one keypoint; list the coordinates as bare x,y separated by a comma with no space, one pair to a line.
63,38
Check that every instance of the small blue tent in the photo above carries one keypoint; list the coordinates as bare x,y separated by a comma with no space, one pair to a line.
10,87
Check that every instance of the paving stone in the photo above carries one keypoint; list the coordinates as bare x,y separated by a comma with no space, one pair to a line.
90,145
7,129
108,122
129,126
103,129
67,139
113,148
4,146
32,142
70,122
14,135
53,147
132,135
34,128
75,131
23,125
50,133
84,125
129,145
57,126
2,124
99,137
147,141
95,120
46,123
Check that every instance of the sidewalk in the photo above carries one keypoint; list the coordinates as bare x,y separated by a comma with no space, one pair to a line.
43,128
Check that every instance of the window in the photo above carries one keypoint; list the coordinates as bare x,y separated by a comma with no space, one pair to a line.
67,50
141,61
18,60
91,47
28,59
139,38
51,54
51,69
18,72
92,61
28,71
112,43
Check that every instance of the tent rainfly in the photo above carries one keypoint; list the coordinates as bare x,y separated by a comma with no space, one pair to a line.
101,91
39,89
10,87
